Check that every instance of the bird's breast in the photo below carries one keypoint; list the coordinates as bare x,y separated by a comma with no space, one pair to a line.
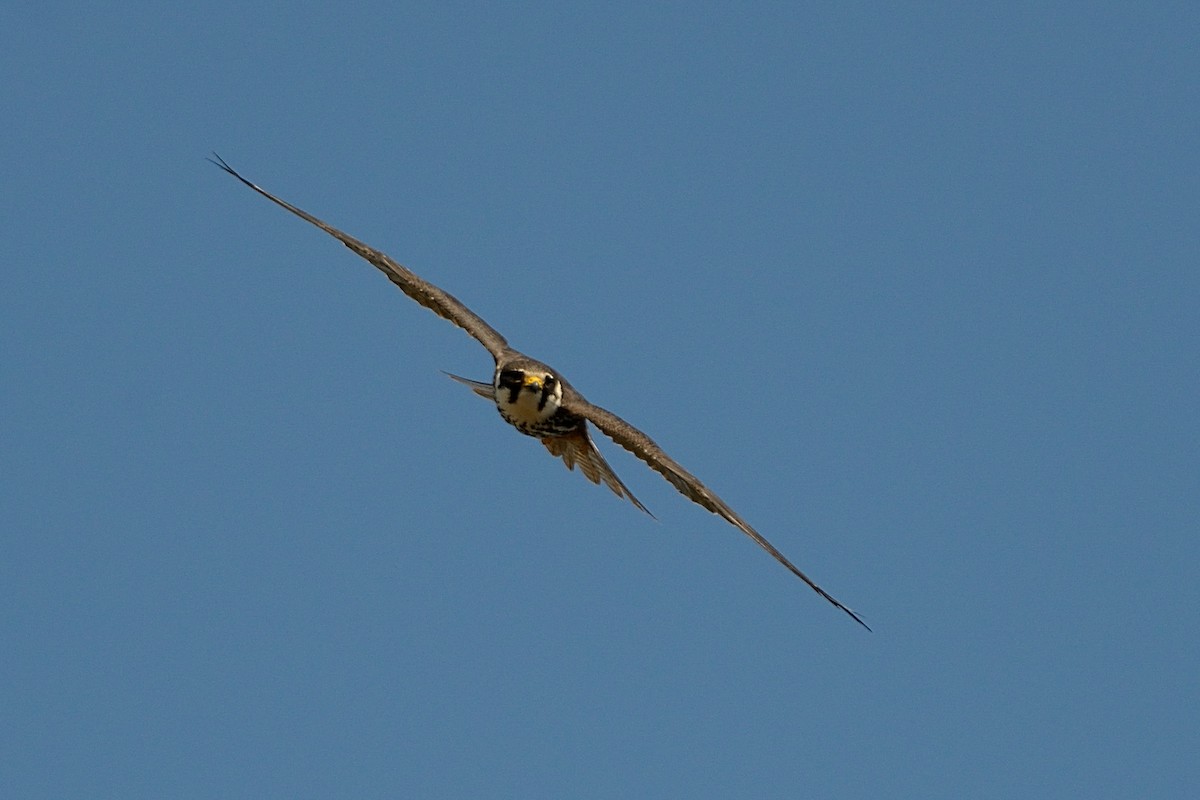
530,416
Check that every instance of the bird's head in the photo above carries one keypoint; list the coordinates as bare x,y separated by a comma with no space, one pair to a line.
528,391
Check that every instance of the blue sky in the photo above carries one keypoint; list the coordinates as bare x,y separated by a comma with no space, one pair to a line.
914,289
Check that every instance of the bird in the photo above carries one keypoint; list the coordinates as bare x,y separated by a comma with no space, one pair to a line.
539,402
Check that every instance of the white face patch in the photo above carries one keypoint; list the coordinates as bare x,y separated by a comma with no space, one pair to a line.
532,403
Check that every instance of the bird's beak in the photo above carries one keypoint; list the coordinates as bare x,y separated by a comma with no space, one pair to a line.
534,382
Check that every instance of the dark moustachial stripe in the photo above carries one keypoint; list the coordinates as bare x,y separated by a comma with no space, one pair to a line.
512,380
547,390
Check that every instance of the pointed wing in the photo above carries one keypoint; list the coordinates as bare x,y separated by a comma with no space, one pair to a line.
688,485
578,448
484,390
442,303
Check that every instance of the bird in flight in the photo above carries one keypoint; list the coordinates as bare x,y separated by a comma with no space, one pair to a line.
539,402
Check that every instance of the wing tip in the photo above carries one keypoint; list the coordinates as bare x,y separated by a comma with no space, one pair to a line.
854,615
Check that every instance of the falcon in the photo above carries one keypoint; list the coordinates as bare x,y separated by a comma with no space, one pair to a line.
537,401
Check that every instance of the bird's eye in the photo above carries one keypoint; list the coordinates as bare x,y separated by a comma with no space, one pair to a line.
549,381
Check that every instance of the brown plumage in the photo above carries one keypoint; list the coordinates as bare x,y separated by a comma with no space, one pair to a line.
578,448
537,401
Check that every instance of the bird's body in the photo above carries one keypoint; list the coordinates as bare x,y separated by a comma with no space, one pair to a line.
530,399
537,401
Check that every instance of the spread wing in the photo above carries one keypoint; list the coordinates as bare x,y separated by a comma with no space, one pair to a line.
442,303
688,485
484,390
